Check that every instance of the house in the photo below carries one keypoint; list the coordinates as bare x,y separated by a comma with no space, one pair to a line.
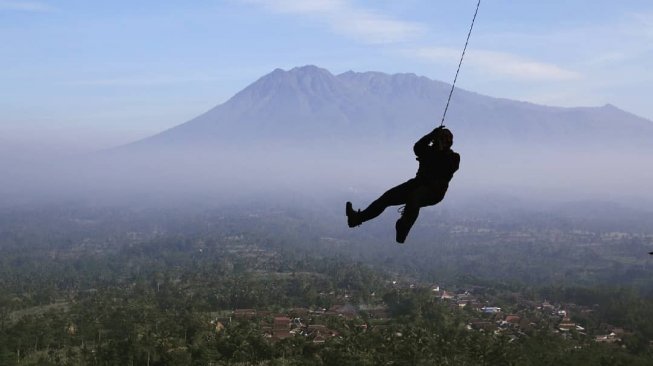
320,328
319,339
319,332
464,296
608,338
244,313
278,335
281,323
281,327
546,306
482,325
491,309
566,325
512,319
348,311
218,327
297,323
446,296
618,331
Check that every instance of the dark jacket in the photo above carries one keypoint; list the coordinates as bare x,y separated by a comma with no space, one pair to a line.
435,166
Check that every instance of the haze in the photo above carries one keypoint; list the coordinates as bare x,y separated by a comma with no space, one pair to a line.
69,123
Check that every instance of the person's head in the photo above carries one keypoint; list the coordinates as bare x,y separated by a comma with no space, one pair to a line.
443,138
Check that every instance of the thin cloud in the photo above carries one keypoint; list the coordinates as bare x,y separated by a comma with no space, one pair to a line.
26,6
644,23
140,81
608,58
572,96
344,18
497,63
372,27
627,37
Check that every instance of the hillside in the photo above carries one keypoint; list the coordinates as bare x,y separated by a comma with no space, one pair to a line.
309,103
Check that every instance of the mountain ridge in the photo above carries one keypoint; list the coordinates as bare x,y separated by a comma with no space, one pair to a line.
309,103
307,130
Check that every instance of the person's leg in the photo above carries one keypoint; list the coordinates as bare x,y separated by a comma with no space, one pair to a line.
419,197
393,197
409,214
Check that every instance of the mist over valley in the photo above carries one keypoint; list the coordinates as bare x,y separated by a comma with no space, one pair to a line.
307,131
295,145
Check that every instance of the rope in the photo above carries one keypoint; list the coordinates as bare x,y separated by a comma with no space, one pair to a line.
460,63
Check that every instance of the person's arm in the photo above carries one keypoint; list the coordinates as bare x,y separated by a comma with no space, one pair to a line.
456,162
422,145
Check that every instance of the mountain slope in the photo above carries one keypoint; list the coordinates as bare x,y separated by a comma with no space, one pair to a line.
310,104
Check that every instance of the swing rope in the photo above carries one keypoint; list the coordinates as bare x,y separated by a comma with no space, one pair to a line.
460,63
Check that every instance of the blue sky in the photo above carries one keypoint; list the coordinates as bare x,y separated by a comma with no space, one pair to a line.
89,74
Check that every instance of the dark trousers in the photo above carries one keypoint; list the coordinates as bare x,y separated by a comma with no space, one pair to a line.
414,193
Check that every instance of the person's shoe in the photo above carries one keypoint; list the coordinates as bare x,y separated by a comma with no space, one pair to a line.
353,217
402,231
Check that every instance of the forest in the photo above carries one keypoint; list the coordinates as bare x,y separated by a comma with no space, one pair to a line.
89,286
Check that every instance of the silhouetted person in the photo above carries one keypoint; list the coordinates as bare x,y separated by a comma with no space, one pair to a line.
437,163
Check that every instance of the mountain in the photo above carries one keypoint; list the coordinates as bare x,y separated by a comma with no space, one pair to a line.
311,104
315,134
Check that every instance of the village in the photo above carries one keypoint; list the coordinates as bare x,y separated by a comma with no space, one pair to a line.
513,320
514,292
